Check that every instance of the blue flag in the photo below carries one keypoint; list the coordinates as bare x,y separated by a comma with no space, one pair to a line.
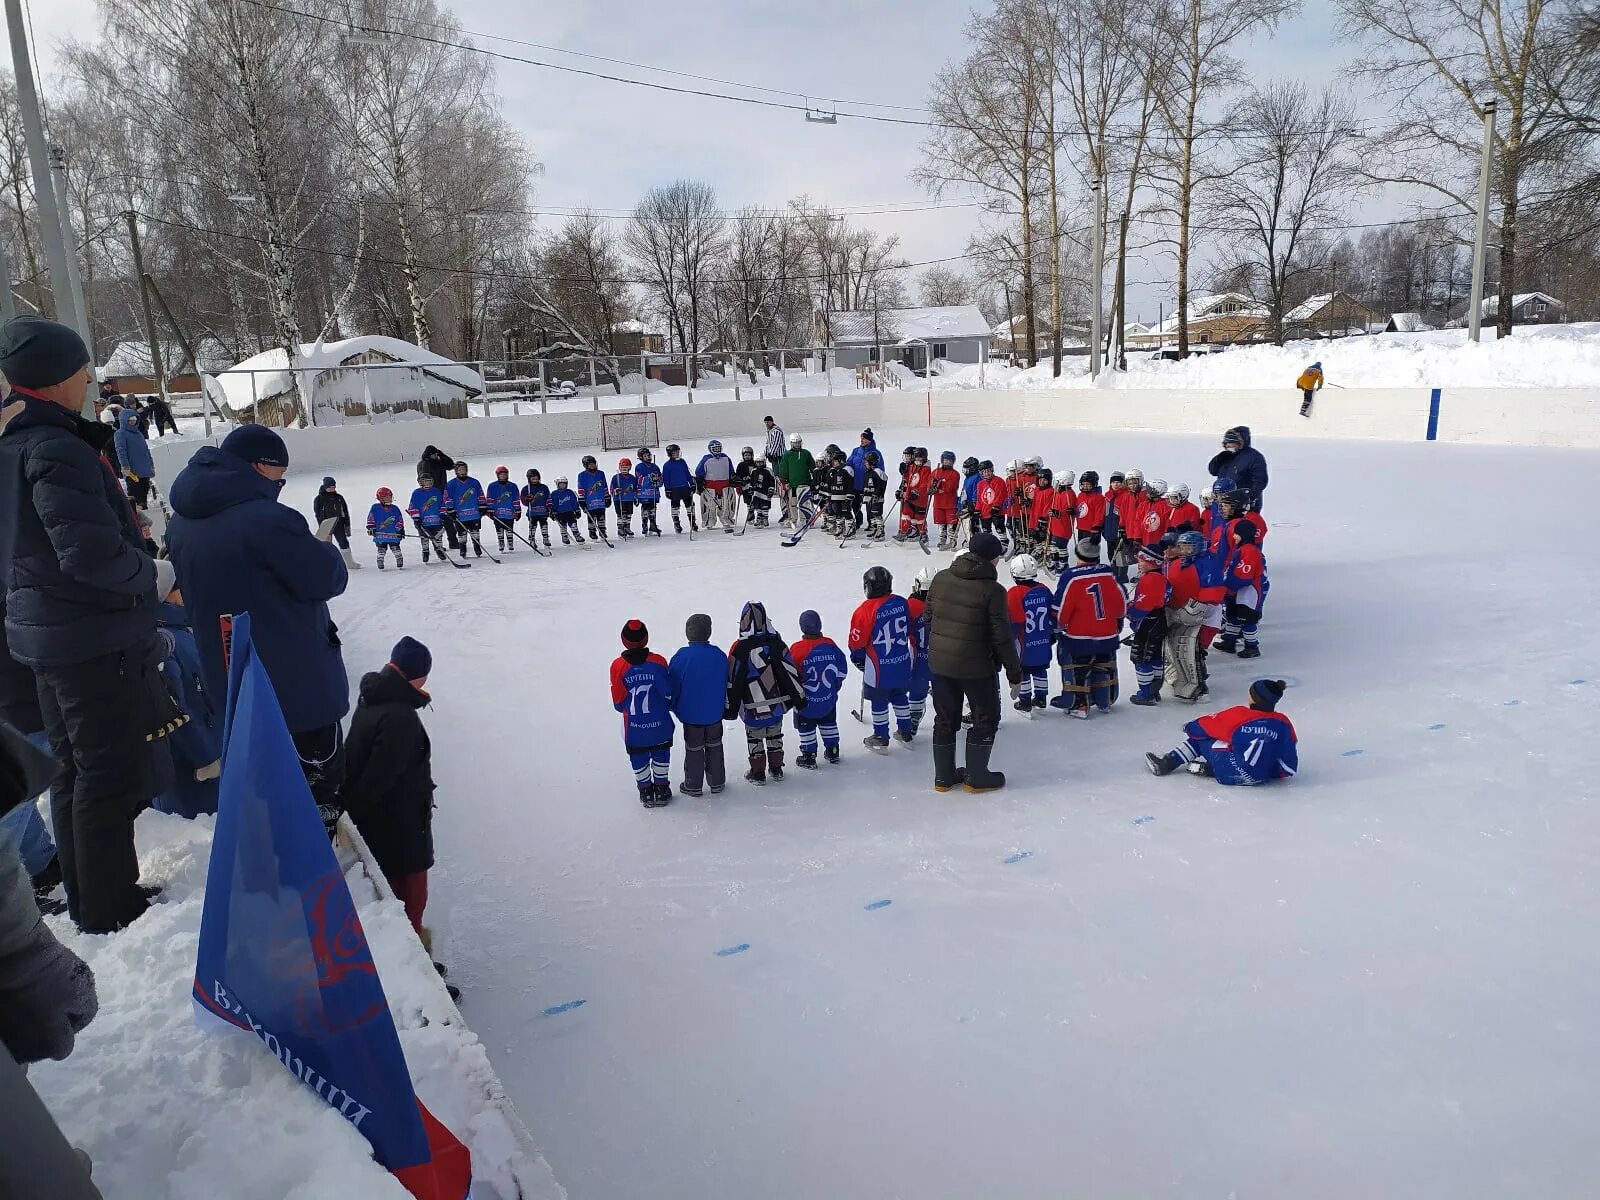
282,953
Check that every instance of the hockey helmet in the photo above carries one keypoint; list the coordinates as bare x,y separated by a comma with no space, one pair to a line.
1206,497
424,479
533,473
909,452
877,582
796,440
873,459
589,461
923,581
1233,500
1089,479
382,492
1133,473
461,467
502,470
1024,567
1117,477
986,465
644,454
1034,461
947,456
624,464
1183,493
1046,479
561,481
1177,494
714,446
922,454
1156,487
1011,467
747,452
1222,484
1191,542
969,464
1064,479
673,448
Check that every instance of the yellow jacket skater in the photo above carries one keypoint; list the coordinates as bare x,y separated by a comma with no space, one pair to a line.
1309,383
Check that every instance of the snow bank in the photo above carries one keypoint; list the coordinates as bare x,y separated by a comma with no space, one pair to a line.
168,1109
435,378
1534,356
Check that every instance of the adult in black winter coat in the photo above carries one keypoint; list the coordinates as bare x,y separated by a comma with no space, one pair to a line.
969,639
81,612
388,784
238,550
441,468
1243,463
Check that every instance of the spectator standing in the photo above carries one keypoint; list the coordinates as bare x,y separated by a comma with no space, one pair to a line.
969,638
238,550
776,443
441,469
794,473
330,505
81,612
133,453
1243,463
160,416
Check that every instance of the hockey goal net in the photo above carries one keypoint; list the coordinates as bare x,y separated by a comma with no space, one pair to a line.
625,430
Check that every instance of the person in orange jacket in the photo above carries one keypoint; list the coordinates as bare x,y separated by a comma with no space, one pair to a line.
1309,383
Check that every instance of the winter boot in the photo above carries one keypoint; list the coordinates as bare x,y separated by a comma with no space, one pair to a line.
831,753
1250,650
685,790
1163,764
806,759
349,559
757,774
878,745
979,777
775,764
946,775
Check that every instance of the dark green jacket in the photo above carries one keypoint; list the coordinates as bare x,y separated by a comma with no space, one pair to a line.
969,628
795,468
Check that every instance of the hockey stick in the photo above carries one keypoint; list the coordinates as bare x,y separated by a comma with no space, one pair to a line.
597,530
513,532
794,538
861,704
437,542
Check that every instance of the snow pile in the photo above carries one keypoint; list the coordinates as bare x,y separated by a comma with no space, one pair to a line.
1534,356
166,1108
424,375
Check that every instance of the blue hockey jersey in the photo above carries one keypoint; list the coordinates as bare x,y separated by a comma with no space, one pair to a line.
427,507
880,642
675,474
386,524
624,487
563,501
465,497
648,478
593,491
504,502
641,690
535,498
823,668
1033,623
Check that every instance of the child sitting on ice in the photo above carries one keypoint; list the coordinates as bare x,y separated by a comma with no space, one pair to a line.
1242,746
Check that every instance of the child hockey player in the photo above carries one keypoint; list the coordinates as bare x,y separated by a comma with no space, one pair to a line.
914,497
762,681
841,490
1063,512
699,694
625,491
535,497
972,477
1147,615
595,496
1309,383
647,478
757,487
330,505
678,482
994,500
564,508
921,672
713,477
505,508
1096,519
1044,494
1241,746
1186,614
386,525
1182,516
463,500
1153,515
1089,611
1246,580
945,495
388,777
881,648
641,690
823,668
427,510
795,470
875,485
1033,628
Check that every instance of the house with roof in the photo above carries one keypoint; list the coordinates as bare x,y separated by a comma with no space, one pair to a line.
1334,314
1527,308
1220,319
1407,322
909,336
127,368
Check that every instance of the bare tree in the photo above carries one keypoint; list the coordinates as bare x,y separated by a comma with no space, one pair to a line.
942,285
1197,35
676,238
1437,61
1288,177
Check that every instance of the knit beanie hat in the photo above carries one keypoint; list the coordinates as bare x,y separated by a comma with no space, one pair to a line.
36,352
257,444
1086,550
635,635
1265,694
811,623
986,546
328,481
698,628
411,658
1246,531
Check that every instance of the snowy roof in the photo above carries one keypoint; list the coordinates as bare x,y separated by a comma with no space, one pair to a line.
132,357
1201,307
1309,307
638,327
1491,304
270,369
909,324
1409,322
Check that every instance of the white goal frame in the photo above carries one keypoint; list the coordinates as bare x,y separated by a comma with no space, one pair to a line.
629,429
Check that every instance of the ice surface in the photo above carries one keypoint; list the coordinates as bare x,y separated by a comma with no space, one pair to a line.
1380,980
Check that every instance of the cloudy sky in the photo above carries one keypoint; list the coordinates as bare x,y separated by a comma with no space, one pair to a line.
602,143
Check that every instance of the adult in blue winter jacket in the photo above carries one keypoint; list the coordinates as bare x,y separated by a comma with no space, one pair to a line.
699,674
857,462
81,612
133,453
238,550
1246,465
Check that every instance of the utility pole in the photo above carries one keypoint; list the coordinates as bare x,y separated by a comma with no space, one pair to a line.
188,349
1480,240
1122,293
58,175
149,314
1099,255
8,307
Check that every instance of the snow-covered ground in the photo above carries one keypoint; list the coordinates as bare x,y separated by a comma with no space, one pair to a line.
1379,980
168,1108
